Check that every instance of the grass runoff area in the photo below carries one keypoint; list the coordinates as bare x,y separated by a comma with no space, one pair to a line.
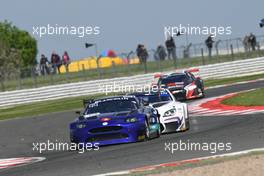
251,98
75,103
206,162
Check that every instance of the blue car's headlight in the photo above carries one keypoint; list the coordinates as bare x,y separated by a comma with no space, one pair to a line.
170,112
80,125
131,120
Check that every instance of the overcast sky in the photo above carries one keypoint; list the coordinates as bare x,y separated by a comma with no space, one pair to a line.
125,23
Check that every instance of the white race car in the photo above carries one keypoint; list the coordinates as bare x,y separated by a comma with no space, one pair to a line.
174,115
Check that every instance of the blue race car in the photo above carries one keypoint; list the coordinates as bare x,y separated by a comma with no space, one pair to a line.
113,120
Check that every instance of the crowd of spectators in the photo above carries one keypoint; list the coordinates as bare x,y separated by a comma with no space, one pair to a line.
53,65
169,51
162,52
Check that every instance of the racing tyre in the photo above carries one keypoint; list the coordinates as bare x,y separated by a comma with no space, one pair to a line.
147,131
158,133
187,121
203,95
187,125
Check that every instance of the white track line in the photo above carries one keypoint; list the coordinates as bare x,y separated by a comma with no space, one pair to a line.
220,113
12,162
207,111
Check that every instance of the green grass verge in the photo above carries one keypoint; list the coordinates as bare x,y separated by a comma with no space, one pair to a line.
216,82
205,162
251,98
46,107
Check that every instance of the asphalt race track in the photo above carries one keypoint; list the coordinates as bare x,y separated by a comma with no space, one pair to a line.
17,136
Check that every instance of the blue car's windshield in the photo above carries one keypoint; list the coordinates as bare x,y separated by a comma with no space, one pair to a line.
108,106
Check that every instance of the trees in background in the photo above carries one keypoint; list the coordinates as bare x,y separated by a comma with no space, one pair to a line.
18,49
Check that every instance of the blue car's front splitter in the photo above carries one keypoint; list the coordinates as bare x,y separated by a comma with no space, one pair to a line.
127,133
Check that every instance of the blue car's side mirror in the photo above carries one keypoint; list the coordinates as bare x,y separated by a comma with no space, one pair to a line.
81,117
145,102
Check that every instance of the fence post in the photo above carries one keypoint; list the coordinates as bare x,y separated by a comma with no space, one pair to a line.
159,65
19,79
33,74
258,48
67,75
145,66
80,73
2,82
217,48
202,52
98,68
232,52
51,78
227,44
84,72
128,61
237,45
113,68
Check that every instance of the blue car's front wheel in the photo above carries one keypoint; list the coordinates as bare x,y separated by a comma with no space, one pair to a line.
158,132
147,130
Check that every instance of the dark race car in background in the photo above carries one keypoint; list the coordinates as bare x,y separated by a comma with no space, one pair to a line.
261,24
183,85
113,120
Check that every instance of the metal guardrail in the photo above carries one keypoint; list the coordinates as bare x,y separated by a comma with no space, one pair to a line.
220,70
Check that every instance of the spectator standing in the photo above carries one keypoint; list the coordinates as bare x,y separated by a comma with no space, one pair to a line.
138,51
171,48
66,60
209,43
161,53
55,62
142,54
44,65
252,41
